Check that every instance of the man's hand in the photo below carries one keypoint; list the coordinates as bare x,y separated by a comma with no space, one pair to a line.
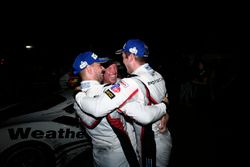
163,124
77,88
165,100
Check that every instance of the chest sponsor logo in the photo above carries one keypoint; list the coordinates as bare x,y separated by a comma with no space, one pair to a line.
155,81
110,94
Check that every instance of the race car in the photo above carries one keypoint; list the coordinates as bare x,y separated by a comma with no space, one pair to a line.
42,132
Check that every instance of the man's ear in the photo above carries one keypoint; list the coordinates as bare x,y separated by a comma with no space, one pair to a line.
88,69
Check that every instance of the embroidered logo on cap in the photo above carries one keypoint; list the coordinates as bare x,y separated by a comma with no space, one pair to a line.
133,50
94,56
83,64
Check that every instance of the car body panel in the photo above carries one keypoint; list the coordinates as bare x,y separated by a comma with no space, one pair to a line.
56,128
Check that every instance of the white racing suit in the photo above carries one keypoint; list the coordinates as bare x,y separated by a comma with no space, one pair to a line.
155,84
107,149
129,90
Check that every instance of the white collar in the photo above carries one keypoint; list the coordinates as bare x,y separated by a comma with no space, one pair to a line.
85,85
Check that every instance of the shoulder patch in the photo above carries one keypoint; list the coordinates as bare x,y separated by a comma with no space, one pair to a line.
116,88
123,83
109,93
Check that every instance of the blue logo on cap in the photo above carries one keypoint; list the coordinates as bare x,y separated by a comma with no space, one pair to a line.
135,46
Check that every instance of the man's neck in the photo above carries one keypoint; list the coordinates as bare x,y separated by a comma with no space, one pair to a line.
136,66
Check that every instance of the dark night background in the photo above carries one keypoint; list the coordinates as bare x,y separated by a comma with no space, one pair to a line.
173,34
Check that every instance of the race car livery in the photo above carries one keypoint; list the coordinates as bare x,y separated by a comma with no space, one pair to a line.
43,135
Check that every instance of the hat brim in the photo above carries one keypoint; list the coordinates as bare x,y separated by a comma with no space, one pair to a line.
118,52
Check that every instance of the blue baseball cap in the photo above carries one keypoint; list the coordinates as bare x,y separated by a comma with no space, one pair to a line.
84,59
135,46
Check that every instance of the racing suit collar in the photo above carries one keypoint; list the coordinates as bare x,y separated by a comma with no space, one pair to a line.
142,68
85,85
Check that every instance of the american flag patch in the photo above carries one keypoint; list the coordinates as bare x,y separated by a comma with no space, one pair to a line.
123,83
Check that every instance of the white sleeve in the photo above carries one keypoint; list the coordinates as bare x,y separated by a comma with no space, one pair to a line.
142,113
86,119
113,97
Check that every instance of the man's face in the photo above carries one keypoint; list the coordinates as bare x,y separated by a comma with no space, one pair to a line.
110,75
98,70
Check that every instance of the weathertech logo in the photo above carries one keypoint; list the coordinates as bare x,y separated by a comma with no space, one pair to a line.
24,133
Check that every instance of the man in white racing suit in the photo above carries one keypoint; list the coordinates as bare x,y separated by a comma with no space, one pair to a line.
112,76
108,146
145,86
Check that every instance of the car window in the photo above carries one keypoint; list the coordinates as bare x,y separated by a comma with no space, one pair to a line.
30,105
70,109
67,120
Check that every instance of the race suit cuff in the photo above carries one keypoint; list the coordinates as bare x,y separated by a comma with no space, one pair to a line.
163,105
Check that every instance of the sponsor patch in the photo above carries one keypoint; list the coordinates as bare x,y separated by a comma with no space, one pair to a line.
28,133
147,67
116,88
109,93
85,85
123,83
155,81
